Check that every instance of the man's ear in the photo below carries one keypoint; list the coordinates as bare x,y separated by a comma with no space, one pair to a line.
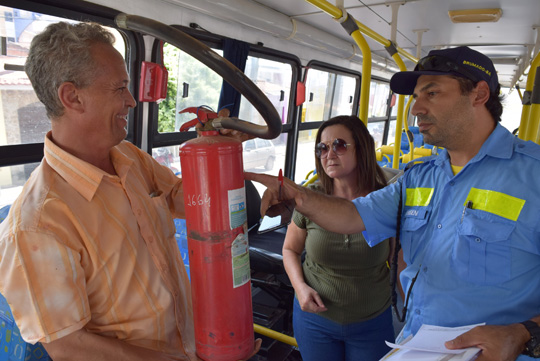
69,95
481,93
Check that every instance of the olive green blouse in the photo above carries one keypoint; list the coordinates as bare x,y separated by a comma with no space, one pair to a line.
352,278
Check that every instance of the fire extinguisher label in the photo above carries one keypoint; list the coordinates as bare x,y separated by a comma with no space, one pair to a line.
237,207
240,260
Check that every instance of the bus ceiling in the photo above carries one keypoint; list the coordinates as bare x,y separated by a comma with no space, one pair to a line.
504,30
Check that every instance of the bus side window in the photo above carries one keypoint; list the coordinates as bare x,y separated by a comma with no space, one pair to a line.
23,119
335,92
204,88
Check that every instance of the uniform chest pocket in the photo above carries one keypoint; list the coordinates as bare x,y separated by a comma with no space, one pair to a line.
413,225
482,252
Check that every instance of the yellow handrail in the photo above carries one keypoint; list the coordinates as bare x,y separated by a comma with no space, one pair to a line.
366,75
525,129
275,335
519,92
310,180
534,117
337,13
309,173
406,124
400,113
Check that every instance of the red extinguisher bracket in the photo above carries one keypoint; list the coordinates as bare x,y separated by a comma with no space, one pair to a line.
153,84
216,222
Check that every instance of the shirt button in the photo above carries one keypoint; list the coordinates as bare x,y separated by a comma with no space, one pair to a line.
452,183
425,269
417,311
439,226
478,240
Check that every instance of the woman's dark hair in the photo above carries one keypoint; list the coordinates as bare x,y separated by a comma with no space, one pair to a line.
369,174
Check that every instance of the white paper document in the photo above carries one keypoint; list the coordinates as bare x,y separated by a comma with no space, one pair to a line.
428,345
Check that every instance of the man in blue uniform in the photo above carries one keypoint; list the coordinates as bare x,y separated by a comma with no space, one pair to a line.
470,224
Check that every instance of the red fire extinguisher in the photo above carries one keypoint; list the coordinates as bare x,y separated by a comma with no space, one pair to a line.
215,201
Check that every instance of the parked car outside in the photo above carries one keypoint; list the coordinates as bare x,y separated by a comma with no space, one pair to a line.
259,153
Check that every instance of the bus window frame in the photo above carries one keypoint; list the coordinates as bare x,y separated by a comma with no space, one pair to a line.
18,154
157,140
330,68
301,126
388,117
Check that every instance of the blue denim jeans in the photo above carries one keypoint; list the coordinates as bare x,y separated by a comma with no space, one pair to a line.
320,339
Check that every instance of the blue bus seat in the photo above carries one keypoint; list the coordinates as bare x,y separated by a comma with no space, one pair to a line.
181,241
4,212
418,140
12,346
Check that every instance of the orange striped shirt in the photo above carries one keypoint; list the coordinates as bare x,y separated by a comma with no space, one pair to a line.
84,249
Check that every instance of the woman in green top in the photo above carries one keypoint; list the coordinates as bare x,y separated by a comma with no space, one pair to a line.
342,304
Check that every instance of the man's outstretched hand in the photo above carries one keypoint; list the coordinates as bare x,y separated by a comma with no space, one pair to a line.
273,195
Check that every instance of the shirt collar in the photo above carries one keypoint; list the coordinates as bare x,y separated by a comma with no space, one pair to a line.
500,144
84,177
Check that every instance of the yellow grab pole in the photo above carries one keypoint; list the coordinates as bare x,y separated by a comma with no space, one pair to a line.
400,110
406,126
399,126
534,116
346,22
399,62
275,335
310,180
382,40
366,75
519,92
524,130
349,24
525,112
337,13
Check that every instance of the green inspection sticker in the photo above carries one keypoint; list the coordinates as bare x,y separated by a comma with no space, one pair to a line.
240,260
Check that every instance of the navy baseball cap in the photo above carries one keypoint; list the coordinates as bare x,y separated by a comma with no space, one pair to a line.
461,61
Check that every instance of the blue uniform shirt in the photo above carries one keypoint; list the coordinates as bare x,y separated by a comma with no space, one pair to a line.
476,263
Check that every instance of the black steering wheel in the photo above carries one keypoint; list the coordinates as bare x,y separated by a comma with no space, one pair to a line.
220,65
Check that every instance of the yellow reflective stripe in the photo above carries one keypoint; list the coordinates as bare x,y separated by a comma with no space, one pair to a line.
418,196
496,202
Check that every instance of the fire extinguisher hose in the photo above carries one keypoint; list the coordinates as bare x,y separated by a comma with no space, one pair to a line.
222,66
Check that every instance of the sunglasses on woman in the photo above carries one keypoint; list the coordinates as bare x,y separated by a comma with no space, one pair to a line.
339,146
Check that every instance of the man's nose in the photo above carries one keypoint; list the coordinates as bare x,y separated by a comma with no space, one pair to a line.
130,101
417,107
